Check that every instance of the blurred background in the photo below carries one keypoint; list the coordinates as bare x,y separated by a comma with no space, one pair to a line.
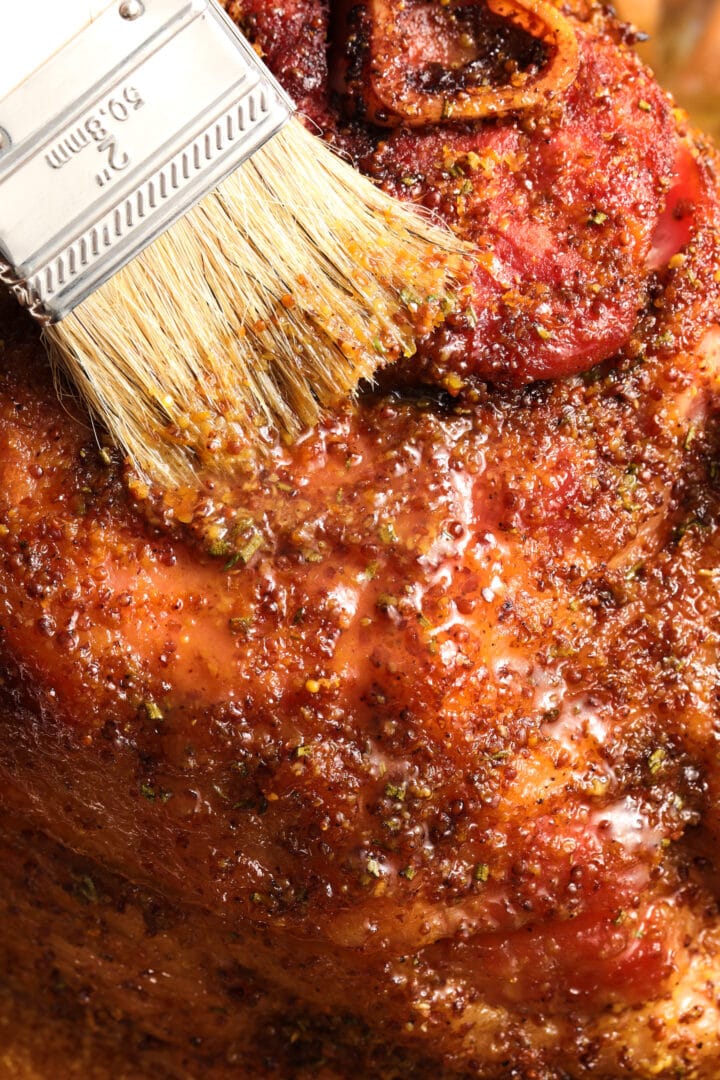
684,50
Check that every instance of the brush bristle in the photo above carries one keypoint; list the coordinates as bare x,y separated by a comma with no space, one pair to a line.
270,300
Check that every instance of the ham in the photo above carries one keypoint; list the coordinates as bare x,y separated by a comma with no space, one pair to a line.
395,753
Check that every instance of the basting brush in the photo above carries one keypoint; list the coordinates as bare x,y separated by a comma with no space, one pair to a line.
205,269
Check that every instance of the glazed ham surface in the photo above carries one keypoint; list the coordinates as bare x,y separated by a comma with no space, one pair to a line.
396,753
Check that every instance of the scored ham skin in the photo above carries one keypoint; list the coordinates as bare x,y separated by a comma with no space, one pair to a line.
397,752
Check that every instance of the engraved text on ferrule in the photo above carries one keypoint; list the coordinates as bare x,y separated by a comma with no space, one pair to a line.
94,130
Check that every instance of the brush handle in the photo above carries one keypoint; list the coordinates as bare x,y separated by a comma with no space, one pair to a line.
31,31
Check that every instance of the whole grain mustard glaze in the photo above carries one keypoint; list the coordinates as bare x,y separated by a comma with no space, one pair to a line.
394,753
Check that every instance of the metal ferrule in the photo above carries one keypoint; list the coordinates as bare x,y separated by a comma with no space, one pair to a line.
117,136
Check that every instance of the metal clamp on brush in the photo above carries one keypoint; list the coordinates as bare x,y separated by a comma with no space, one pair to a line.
198,307
116,136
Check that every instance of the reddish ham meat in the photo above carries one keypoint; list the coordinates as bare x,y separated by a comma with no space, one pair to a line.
395,754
